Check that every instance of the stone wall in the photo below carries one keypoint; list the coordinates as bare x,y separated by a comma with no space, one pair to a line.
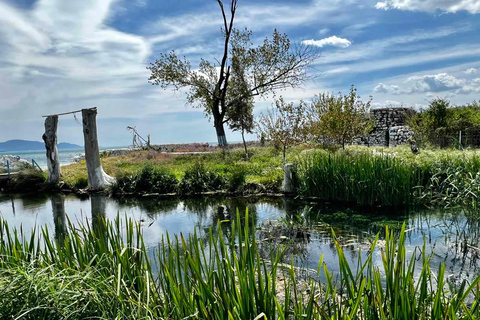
390,128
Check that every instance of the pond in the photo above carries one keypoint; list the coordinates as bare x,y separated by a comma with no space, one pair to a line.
306,227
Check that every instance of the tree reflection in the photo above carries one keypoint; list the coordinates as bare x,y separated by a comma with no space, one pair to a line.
59,217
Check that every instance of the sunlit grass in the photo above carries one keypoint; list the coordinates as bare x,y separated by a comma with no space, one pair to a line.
105,271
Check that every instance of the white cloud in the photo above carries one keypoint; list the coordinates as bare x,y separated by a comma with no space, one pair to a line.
471,71
472,6
383,88
431,85
333,41
337,70
397,104
435,83
323,31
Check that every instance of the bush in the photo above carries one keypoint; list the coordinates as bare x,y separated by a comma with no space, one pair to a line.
81,183
149,180
158,180
199,178
125,183
28,180
272,180
236,177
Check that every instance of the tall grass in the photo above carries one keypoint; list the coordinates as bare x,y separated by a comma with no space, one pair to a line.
104,272
362,179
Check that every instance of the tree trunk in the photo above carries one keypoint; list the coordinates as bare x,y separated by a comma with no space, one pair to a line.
284,155
245,144
97,178
222,139
50,139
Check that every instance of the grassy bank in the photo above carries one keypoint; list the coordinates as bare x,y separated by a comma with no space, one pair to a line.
106,272
156,172
366,176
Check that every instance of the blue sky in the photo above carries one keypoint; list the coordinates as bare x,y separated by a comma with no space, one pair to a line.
58,56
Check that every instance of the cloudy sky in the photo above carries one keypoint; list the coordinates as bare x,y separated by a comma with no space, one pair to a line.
58,56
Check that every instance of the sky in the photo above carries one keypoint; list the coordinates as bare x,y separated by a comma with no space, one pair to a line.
58,56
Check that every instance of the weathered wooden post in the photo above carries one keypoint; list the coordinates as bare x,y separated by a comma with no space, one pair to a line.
290,178
50,139
97,178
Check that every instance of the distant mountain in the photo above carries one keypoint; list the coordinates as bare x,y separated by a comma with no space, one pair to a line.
24,145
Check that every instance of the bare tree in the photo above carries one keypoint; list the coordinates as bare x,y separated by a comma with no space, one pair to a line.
272,66
283,124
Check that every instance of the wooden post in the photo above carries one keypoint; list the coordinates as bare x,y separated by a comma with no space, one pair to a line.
97,178
290,177
50,139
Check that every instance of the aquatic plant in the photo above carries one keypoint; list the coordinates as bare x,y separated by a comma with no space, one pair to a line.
105,271
362,179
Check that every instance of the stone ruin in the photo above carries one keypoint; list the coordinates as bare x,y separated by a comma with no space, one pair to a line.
390,129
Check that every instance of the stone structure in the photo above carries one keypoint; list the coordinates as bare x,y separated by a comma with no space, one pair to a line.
390,129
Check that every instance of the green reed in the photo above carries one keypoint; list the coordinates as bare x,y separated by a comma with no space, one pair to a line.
362,179
104,272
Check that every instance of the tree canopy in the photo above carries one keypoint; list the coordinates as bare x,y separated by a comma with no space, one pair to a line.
244,71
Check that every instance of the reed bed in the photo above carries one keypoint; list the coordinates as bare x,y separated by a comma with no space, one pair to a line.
391,180
362,179
107,273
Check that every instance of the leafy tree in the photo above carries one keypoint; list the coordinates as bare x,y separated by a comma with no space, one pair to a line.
240,113
442,125
340,118
283,124
273,65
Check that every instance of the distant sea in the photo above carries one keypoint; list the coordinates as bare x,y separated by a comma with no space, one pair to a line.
41,158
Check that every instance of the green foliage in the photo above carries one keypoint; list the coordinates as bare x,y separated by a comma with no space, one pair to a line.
339,118
244,71
149,179
158,180
440,125
237,177
81,183
362,179
29,180
98,273
198,178
393,177
283,125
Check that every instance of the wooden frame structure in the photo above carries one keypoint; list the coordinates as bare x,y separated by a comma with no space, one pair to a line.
97,178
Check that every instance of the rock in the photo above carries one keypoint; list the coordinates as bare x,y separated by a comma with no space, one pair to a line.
16,163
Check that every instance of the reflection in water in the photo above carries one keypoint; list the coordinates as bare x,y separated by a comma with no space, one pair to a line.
99,213
59,217
305,227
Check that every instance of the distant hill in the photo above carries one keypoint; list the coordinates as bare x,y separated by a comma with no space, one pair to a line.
24,145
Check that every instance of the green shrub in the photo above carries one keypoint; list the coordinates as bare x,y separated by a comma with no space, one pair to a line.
124,183
271,180
28,180
81,183
236,177
149,180
198,178
156,180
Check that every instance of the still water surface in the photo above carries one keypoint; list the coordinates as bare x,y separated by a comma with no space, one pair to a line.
454,235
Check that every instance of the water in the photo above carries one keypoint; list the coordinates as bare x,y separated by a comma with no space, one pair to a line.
454,235
40,157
